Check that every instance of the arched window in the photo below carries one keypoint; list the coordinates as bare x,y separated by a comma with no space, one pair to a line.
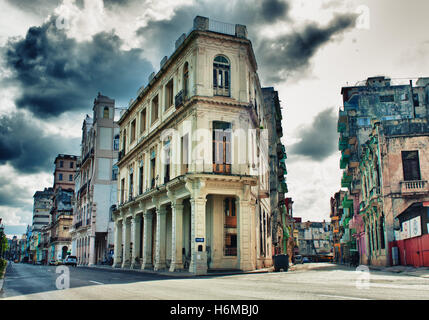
106,113
185,79
221,74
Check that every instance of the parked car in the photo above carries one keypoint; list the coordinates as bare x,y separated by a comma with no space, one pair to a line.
305,260
52,262
70,261
298,259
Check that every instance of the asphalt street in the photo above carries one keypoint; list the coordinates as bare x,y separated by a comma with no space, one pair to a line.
311,282
26,279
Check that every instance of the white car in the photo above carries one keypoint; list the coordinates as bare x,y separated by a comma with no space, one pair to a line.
70,260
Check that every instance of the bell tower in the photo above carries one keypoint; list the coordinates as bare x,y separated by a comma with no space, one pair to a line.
104,108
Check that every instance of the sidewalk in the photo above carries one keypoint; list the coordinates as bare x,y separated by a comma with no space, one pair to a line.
404,270
181,273
3,276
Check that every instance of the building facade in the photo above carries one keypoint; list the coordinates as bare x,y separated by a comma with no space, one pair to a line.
395,172
280,206
314,240
61,211
368,221
192,195
41,208
96,185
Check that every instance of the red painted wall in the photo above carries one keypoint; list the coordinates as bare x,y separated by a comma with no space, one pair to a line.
412,252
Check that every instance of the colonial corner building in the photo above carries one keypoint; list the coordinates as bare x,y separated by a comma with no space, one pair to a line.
194,173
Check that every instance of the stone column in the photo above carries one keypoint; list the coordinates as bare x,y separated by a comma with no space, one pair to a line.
244,236
77,250
126,233
161,223
135,225
198,263
118,244
91,250
147,241
176,236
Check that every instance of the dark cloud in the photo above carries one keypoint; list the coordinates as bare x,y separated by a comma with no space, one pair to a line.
111,3
24,146
58,74
13,194
279,57
274,9
291,53
319,139
40,7
162,34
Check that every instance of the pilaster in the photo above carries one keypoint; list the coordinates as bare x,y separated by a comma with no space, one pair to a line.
147,240
177,236
161,215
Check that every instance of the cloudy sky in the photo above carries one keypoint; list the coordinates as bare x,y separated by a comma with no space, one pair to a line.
55,55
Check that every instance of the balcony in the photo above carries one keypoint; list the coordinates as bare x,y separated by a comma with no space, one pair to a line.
221,91
341,127
346,180
222,168
230,222
343,143
280,149
87,156
121,154
55,239
179,99
344,160
414,187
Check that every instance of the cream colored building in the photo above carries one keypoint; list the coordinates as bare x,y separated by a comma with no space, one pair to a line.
96,185
193,184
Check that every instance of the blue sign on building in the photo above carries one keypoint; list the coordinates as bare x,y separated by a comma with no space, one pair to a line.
199,239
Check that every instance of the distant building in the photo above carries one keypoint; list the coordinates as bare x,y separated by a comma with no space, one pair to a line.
395,170
314,239
280,207
62,211
41,208
96,185
383,140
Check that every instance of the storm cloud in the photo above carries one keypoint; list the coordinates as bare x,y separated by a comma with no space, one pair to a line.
279,57
318,139
274,9
162,34
57,74
292,53
25,147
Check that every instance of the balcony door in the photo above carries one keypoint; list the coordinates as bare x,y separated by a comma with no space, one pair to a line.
221,147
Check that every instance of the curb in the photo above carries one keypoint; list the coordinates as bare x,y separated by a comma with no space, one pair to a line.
403,272
178,274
